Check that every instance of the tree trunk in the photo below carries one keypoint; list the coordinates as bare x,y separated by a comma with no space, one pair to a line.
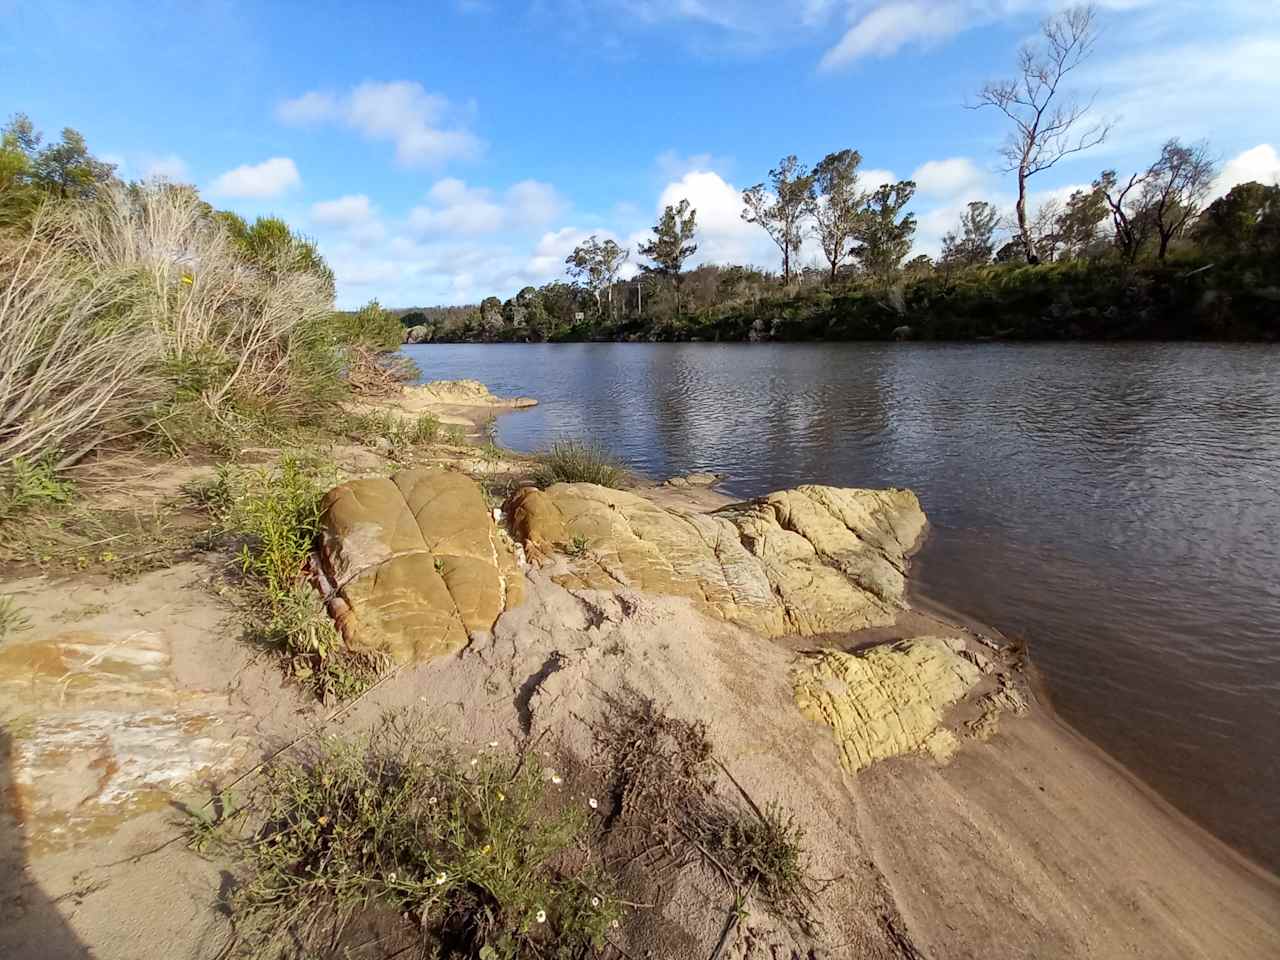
1028,247
1165,237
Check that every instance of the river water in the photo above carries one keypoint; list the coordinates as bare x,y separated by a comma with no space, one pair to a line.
1116,505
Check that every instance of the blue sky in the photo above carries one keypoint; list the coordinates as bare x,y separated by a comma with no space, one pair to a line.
442,152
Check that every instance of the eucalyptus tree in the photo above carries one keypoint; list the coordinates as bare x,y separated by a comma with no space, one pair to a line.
783,208
884,232
672,242
838,205
596,263
1174,189
975,243
1046,126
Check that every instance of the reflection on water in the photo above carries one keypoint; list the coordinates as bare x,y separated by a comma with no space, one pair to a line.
1118,505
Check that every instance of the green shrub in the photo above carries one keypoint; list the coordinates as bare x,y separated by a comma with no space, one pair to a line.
483,854
571,461
370,327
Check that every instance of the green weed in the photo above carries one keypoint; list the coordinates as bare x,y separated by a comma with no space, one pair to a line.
483,854
31,485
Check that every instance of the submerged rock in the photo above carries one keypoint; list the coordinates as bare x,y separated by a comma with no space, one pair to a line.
887,700
810,560
417,562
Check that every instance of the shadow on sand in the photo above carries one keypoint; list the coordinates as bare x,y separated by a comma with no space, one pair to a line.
31,925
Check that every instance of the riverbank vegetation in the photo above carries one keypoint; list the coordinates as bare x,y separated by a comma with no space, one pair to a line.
1136,254
135,314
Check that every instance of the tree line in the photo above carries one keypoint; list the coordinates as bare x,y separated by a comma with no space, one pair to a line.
1123,224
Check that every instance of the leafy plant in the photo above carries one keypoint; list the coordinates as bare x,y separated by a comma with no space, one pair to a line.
30,485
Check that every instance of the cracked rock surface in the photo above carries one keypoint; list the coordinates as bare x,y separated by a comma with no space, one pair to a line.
418,562
805,561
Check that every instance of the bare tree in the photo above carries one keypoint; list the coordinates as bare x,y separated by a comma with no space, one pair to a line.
783,211
1046,127
1174,188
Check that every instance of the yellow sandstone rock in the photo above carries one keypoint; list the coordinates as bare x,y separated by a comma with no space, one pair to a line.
418,561
887,700
810,560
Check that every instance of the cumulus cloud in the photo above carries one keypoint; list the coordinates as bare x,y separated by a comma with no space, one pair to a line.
453,207
1261,163
949,178
419,123
723,236
271,178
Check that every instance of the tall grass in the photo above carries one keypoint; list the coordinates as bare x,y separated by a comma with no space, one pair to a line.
572,461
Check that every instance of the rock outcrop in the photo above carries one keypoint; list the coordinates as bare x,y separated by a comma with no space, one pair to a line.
462,393
416,562
887,700
810,560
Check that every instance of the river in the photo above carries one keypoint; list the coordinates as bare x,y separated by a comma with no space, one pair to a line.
1118,505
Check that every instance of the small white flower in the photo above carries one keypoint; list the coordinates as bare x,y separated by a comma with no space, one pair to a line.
595,901
474,761
593,803
431,801
441,878
615,924
541,917
391,877
497,515
493,743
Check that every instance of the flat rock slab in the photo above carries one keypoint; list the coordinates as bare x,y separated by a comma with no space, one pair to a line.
417,561
462,393
811,560
887,700
101,732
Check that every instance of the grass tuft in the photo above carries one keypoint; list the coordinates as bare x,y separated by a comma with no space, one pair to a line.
571,461
400,435
277,512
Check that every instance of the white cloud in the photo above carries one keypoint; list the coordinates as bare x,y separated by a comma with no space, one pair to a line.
456,208
271,178
401,112
723,236
169,167
871,177
348,211
1261,163
949,178
887,28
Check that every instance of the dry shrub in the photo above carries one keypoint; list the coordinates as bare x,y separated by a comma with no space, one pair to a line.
666,809
72,364
225,328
